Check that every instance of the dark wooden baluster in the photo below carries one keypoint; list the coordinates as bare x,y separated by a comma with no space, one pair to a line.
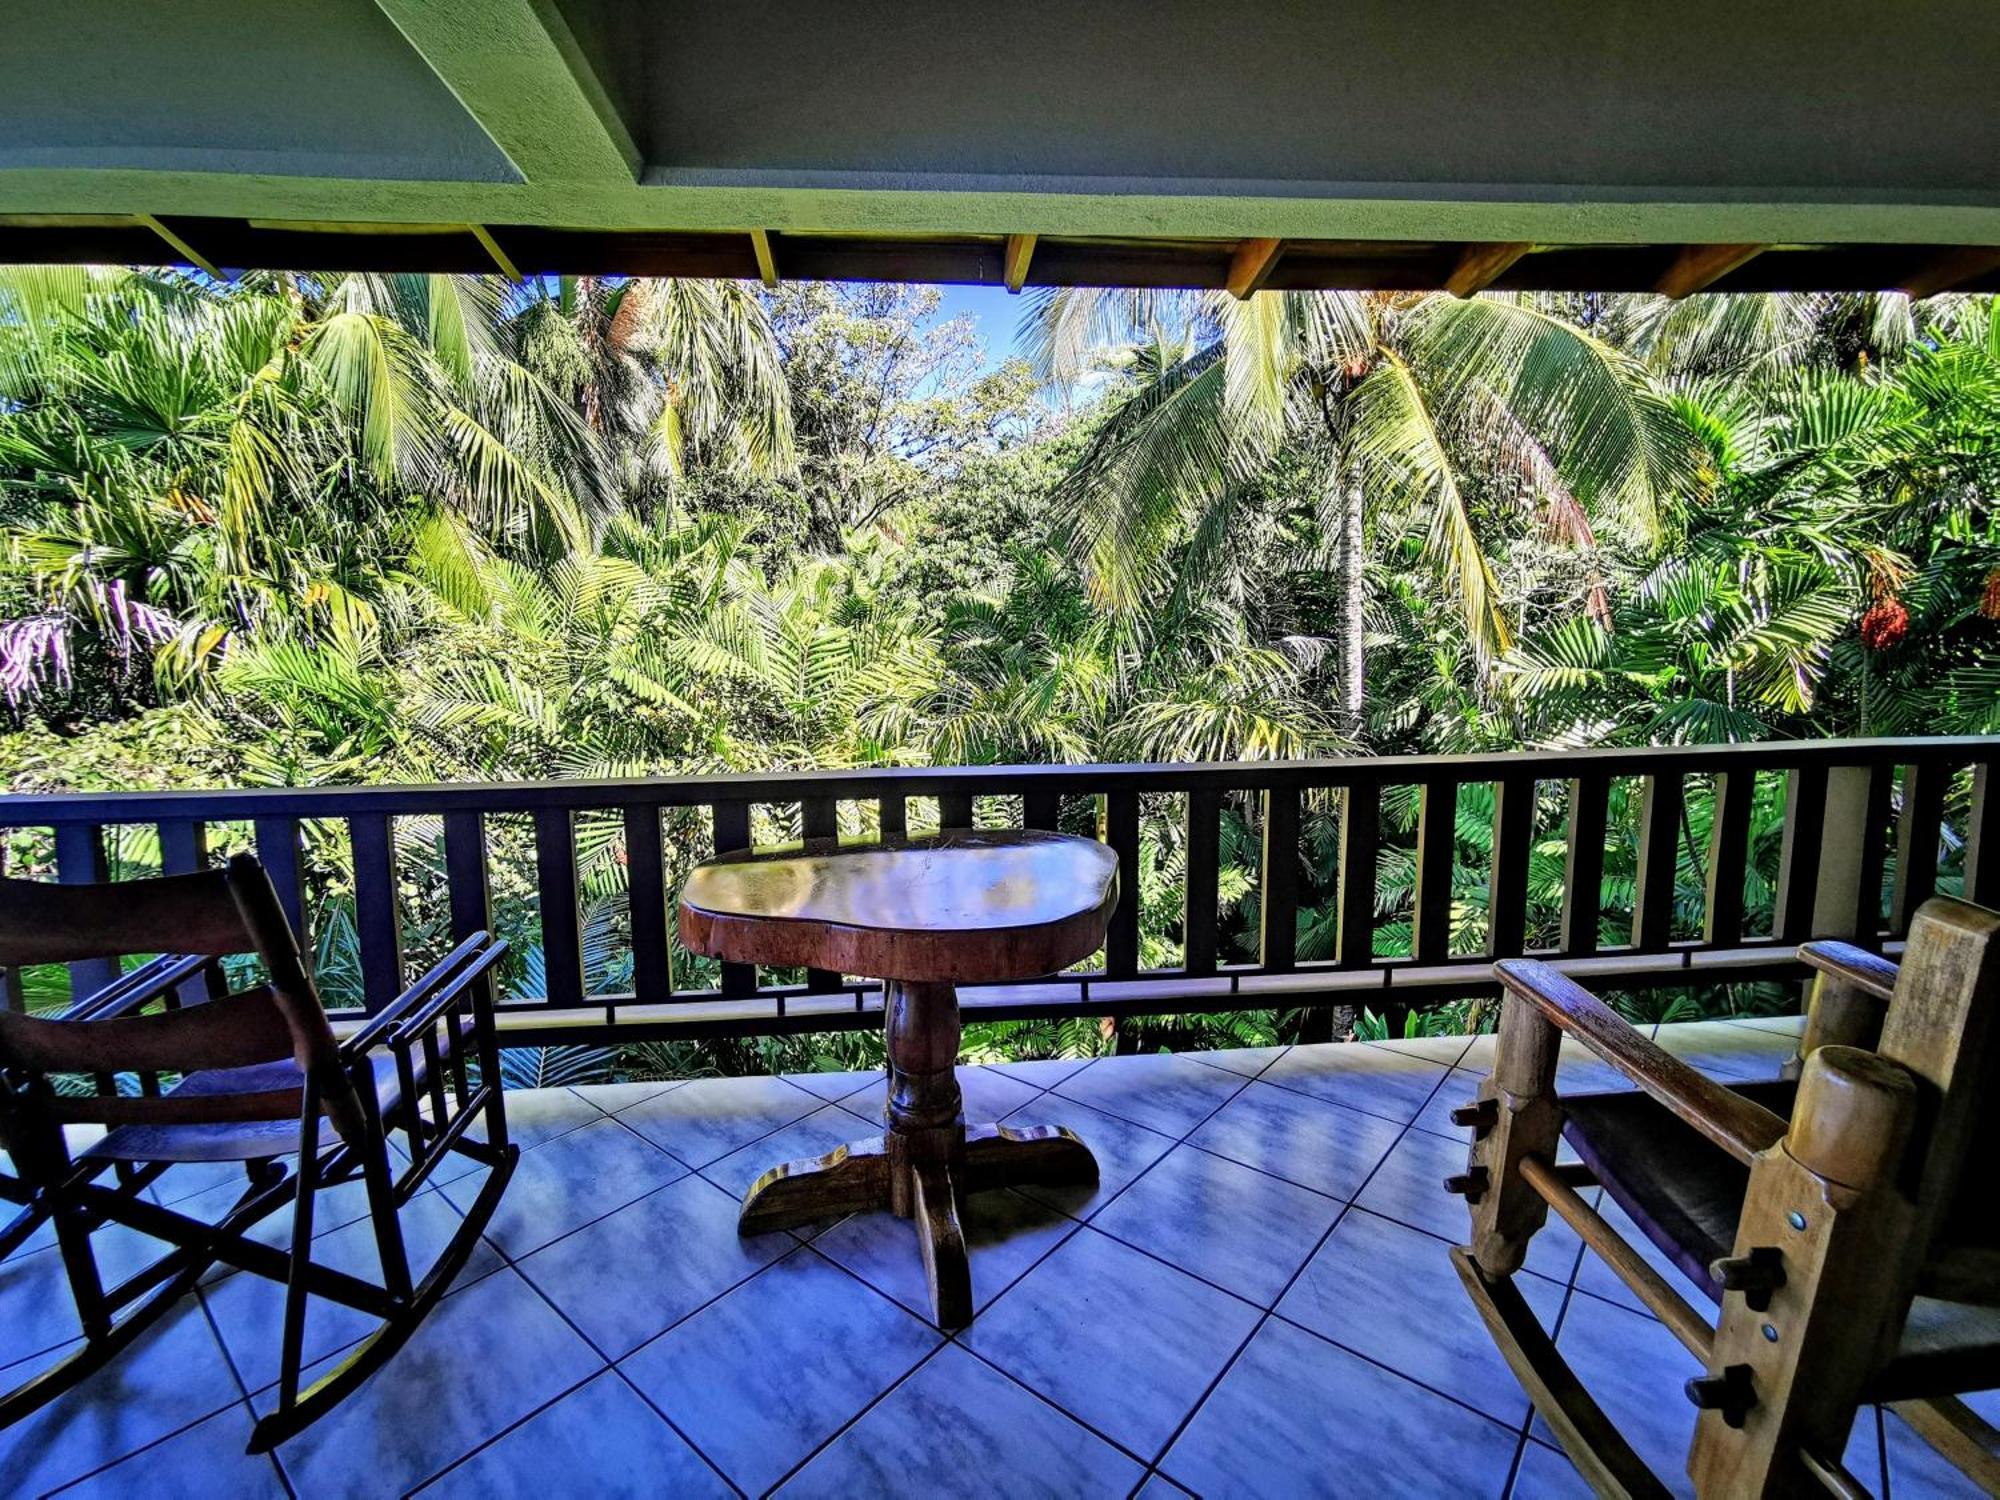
1507,882
80,861
562,923
184,851
468,889
819,819
375,920
895,815
278,853
1918,832
1437,855
1040,808
13,995
1204,858
1798,856
1121,832
1847,894
732,833
466,881
183,846
1660,837
1278,939
1360,847
954,810
1982,837
646,887
1728,857
1583,863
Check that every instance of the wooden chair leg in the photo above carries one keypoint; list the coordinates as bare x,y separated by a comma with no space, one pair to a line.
382,1201
305,1192
1516,1117
86,1286
1787,1378
291,1418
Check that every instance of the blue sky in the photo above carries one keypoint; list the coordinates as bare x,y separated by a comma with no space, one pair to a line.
995,312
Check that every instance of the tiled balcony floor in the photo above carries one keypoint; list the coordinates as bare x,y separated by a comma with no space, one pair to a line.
1255,1300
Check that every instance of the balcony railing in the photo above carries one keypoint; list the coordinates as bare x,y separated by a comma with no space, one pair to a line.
1399,918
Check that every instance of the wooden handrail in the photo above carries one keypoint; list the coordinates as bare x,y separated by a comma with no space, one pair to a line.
1868,972
1737,1125
46,809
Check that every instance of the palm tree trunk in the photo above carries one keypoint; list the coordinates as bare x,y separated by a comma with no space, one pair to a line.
1353,587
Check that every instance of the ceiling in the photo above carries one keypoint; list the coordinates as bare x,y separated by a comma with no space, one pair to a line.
1569,144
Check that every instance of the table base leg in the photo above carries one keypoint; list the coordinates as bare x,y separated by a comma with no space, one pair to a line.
865,1176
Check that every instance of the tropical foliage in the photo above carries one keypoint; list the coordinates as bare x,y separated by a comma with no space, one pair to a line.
303,530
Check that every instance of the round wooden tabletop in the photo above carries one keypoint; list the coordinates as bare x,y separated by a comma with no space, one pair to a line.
958,907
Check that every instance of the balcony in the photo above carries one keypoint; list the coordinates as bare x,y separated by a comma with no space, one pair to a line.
1640,869
1255,1299
1132,1337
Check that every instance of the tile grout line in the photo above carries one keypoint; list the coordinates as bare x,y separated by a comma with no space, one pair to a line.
1151,1466
1195,1410
879,1396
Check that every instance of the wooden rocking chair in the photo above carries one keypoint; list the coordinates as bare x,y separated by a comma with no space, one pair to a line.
1844,1222
248,1077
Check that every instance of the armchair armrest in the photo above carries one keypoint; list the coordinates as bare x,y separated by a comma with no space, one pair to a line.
407,1015
153,980
1732,1122
1870,973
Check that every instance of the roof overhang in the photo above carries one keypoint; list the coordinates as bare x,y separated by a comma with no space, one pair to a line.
1568,144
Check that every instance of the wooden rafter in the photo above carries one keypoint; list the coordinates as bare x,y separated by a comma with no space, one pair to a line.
1699,267
1479,266
193,256
767,259
1014,267
1252,265
500,257
1948,269
519,72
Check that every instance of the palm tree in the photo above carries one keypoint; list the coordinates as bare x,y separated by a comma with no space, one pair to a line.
190,461
1407,402
663,371
1829,500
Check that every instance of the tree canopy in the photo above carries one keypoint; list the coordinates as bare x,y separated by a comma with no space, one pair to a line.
313,529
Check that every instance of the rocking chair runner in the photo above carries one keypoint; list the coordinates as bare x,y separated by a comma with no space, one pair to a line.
1843,1221
259,1071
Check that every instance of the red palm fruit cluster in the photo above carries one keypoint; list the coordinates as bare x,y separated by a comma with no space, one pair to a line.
1884,624
1989,602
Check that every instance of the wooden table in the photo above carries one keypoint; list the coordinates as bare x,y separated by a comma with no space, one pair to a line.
922,915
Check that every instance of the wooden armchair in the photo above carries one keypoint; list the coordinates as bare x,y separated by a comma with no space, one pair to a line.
1843,1222
250,1077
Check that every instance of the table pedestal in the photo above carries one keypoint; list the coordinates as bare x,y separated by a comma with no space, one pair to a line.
926,1160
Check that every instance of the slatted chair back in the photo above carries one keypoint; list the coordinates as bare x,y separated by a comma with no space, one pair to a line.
218,914
1943,1024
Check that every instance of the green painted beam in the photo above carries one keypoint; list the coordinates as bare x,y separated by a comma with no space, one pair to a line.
518,71
924,207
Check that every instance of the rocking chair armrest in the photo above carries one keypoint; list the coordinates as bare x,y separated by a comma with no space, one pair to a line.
1870,973
422,1001
425,1016
151,981
1736,1124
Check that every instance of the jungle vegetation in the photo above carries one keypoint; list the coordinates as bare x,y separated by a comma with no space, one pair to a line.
304,530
